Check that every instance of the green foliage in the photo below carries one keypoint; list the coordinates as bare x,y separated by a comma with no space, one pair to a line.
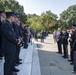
12,5
68,17
43,22
34,22
46,21
38,36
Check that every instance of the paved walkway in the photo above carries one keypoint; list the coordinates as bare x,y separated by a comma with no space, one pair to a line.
30,61
42,59
52,63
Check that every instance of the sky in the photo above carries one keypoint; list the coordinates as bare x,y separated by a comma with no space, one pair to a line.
40,6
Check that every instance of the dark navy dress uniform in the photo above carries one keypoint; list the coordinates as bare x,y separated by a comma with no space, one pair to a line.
1,54
59,43
35,35
16,29
42,36
18,35
71,40
9,44
73,44
65,44
25,38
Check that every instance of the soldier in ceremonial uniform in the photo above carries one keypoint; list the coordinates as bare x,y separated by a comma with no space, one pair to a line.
65,42
9,44
2,19
71,40
18,36
25,38
73,43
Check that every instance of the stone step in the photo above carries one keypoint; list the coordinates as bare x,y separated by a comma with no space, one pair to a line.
1,66
23,53
30,61
35,64
27,62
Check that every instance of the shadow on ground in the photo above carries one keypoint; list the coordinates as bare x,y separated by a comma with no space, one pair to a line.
51,63
39,45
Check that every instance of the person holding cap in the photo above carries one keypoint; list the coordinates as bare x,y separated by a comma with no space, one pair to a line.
9,44
2,19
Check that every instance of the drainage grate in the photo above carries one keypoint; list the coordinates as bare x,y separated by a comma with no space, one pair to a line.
52,64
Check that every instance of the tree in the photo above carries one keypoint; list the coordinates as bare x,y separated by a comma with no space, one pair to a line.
34,22
12,5
48,19
43,22
69,16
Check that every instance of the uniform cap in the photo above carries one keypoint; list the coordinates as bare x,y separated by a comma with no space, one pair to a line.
2,11
16,15
74,24
10,14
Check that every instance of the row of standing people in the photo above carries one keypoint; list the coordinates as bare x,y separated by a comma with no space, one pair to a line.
12,36
63,38
43,35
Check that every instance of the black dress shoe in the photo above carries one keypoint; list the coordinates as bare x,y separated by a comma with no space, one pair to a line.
71,63
20,63
14,73
16,64
0,58
65,56
16,70
57,52
20,59
70,60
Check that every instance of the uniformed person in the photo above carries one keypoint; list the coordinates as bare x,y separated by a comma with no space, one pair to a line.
59,40
42,35
65,42
35,35
71,40
2,19
18,36
9,44
73,43
25,38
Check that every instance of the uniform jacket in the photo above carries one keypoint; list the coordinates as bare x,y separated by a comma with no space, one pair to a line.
9,41
73,37
16,29
0,33
65,38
